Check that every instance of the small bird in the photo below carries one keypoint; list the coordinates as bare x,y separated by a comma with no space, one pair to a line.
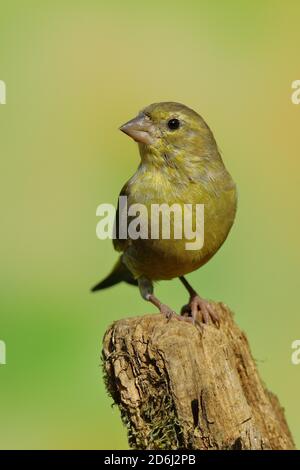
180,164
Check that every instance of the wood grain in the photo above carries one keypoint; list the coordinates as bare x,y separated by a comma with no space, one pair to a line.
178,387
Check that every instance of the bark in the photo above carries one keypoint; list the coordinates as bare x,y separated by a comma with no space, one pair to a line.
180,388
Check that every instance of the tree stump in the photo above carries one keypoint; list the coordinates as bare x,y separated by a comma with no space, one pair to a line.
181,388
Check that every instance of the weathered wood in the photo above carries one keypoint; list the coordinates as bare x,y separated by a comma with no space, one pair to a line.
179,388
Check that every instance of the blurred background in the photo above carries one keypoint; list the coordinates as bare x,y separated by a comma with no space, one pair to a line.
75,71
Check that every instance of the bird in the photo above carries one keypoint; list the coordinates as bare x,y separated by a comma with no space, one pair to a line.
180,163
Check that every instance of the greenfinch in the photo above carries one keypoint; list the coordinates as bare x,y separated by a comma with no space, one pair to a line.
180,164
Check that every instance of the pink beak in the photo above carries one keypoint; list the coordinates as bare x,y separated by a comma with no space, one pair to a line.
139,129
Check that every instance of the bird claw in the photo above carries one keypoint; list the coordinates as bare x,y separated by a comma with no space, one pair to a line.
167,311
169,314
200,311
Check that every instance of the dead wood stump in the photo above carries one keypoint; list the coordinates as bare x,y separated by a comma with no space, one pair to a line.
178,388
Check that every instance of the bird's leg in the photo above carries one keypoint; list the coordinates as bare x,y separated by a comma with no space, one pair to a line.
198,308
146,290
164,309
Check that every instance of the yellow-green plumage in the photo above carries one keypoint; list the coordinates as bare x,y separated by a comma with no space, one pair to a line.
181,166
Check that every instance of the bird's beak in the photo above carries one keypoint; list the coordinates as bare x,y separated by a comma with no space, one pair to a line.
139,129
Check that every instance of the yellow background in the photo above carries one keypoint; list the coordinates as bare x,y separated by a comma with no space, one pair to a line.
75,71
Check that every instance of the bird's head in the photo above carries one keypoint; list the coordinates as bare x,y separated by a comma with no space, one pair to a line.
171,134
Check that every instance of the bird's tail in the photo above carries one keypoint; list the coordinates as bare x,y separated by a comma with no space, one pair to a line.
118,274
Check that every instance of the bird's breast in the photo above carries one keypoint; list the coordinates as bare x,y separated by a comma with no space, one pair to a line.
168,250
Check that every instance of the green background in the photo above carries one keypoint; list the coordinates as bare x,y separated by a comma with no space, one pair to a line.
75,71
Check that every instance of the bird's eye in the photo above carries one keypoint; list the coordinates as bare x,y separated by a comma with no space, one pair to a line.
173,124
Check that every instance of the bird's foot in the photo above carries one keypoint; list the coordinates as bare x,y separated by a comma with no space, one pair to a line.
169,313
165,310
200,311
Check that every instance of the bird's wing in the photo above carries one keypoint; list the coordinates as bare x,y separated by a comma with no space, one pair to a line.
120,244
